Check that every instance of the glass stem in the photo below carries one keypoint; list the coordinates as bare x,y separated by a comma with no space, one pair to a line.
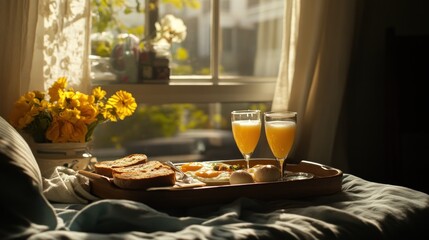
247,158
281,163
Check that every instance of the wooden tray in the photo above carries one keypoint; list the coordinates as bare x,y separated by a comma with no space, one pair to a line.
327,180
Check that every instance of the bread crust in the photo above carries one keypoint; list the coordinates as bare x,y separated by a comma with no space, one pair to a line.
144,176
105,168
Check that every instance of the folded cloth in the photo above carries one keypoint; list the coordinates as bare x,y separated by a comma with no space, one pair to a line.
65,185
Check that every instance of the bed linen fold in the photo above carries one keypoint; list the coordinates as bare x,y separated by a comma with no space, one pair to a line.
362,210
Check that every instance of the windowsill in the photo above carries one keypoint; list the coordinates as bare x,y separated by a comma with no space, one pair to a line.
196,92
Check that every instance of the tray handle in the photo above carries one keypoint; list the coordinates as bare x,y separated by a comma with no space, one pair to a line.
94,176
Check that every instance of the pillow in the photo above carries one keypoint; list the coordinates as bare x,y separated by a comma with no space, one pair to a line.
22,203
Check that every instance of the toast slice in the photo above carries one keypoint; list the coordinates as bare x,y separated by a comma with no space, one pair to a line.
144,176
106,167
140,167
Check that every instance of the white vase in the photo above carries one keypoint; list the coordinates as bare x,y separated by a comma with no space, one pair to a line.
76,156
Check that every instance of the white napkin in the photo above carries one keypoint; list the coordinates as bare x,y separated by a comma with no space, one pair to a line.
65,185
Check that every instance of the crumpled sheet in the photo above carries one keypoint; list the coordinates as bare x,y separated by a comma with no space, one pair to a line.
362,210
65,185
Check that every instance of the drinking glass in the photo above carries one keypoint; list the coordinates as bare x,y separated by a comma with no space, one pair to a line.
280,130
246,129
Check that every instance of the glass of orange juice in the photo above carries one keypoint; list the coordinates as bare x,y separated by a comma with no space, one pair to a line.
280,130
246,129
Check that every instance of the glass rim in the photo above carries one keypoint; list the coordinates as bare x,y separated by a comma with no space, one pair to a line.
281,113
246,111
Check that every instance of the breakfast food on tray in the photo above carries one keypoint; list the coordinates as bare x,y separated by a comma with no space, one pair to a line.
105,167
265,173
144,175
210,172
140,167
241,176
218,173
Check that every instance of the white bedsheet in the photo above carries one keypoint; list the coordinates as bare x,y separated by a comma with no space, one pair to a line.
362,210
67,186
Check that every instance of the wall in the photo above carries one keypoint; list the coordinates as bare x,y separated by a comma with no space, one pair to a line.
379,149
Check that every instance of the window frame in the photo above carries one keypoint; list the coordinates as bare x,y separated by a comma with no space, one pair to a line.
203,89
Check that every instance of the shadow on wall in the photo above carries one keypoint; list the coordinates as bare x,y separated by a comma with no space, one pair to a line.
386,98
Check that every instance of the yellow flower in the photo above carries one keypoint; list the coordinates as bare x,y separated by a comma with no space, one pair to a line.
25,109
123,103
74,99
62,130
88,113
109,115
69,115
53,91
66,115
98,93
18,117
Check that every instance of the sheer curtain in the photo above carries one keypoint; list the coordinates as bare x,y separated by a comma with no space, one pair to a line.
41,41
18,24
313,72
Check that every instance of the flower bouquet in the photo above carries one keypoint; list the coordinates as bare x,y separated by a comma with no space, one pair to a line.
64,115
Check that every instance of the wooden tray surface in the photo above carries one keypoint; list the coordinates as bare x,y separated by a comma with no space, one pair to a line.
327,180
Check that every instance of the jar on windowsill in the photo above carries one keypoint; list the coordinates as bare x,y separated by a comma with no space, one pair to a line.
154,63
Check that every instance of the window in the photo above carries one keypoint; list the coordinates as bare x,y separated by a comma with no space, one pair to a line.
225,5
233,53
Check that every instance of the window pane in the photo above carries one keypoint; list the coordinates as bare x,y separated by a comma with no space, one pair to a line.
251,38
176,132
191,56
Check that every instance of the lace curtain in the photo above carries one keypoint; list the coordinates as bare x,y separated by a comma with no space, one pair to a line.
43,40
65,35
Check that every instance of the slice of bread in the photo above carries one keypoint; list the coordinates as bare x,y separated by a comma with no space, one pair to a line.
106,167
141,167
144,176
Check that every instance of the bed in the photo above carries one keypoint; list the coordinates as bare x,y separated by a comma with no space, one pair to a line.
361,210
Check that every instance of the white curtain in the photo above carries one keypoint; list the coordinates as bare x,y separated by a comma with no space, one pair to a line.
313,73
18,25
41,41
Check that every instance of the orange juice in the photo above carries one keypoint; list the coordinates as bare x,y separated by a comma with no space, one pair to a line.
246,134
280,137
